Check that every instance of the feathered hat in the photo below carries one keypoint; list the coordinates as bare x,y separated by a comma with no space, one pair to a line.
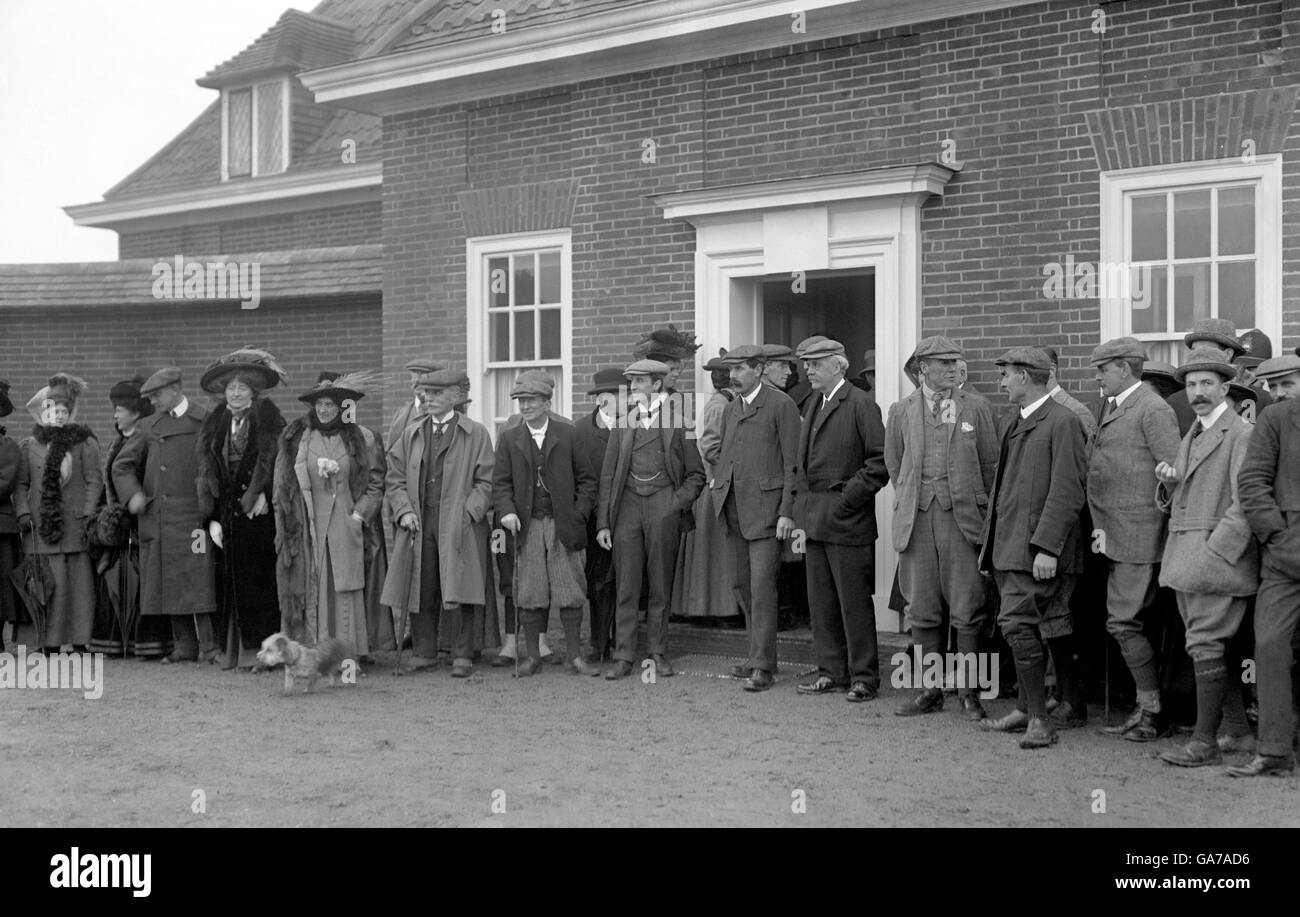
62,387
341,387
665,344
253,360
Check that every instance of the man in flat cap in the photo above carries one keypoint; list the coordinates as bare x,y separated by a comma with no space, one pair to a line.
1138,432
1031,541
544,490
154,475
1059,394
780,366
649,479
1282,376
1210,558
439,489
593,433
753,492
413,410
941,450
1269,487
841,467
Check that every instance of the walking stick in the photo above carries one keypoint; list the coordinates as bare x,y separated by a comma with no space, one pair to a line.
405,616
514,579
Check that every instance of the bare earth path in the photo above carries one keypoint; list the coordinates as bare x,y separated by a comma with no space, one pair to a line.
430,750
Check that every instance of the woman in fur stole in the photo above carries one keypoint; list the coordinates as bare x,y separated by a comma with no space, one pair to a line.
12,610
236,454
329,484
59,485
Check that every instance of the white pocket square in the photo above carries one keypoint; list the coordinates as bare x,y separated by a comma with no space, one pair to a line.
967,428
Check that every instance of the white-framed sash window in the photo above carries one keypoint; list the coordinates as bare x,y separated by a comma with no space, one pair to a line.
519,316
1200,240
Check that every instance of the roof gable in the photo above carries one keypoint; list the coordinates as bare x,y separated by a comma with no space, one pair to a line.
297,41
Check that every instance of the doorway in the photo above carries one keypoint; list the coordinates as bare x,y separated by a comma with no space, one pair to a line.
838,304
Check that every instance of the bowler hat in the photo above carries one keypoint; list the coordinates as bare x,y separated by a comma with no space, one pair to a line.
609,379
1218,331
869,361
717,363
1239,393
1207,359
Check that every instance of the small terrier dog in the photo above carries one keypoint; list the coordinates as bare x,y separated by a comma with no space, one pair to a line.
299,661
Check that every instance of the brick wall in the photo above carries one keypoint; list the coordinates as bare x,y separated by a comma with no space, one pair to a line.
359,224
111,345
1011,89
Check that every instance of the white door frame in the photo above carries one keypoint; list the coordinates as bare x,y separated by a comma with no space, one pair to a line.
862,220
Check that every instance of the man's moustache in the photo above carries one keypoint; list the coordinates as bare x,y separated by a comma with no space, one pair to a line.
1199,401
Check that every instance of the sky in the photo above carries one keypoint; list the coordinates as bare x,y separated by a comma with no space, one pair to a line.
89,90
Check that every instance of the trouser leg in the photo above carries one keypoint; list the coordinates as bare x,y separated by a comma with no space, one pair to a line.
1277,612
629,567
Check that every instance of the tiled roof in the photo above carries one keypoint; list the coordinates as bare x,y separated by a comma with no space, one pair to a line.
435,22
298,41
305,274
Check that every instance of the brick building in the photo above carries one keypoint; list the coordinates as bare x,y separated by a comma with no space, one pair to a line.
556,176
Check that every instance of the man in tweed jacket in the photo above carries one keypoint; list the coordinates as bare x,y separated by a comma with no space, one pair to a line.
1211,560
1138,431
941,449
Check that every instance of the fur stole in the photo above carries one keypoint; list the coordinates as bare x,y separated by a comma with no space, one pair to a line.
59,440
219,484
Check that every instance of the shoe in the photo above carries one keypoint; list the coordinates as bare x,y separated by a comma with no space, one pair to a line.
1141,726
1052,703
1015,721
621,669
1194,754
928,701
759,681
172,659
663,668
861,692
581,666
547,654
1065,716
418,663
461,669
823,684
972,709
508,653
740,671
1120,728
1264,764
528,667
1039,734
1237,744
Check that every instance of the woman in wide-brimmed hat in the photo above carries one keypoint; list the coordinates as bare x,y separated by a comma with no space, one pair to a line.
236,455
115,547
59,485
11,606
329,483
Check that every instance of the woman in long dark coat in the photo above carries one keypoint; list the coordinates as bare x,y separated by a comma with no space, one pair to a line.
116,548
11,606
236,453
59,485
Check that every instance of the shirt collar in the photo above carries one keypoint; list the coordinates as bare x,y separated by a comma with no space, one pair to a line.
1119,399
831,394
1053,390
1029,409
609,421
539,435
749,399
928,392
1212,418
445,418
181,407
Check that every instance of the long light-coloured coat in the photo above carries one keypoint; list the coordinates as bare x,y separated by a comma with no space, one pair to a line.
1210,548
1135,437
972,461
462,514
78,495
161,461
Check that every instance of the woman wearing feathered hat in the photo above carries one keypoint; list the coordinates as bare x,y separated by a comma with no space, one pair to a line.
58,488
236,454
329,483
669,346
11,606
115,547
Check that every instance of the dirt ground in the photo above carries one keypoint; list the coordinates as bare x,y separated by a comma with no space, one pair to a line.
559,749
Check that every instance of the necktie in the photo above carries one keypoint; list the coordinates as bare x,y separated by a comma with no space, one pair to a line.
937,405
1107,408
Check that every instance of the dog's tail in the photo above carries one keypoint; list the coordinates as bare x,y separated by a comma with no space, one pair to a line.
332,653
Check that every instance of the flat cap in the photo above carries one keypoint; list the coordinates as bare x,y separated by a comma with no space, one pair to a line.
645,368
1218,331
738,355
1256,348
775,352
818,349
442,378
938,347
1030,357
1124,348
807,341
1207,359
532,385
422,365
168,375
1277,367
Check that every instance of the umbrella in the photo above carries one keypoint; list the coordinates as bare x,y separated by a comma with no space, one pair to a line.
406,611
35,585
123,593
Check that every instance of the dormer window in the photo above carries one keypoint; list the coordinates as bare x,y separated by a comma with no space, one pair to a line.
255,129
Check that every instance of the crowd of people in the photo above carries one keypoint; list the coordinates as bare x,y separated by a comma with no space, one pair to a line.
198,533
